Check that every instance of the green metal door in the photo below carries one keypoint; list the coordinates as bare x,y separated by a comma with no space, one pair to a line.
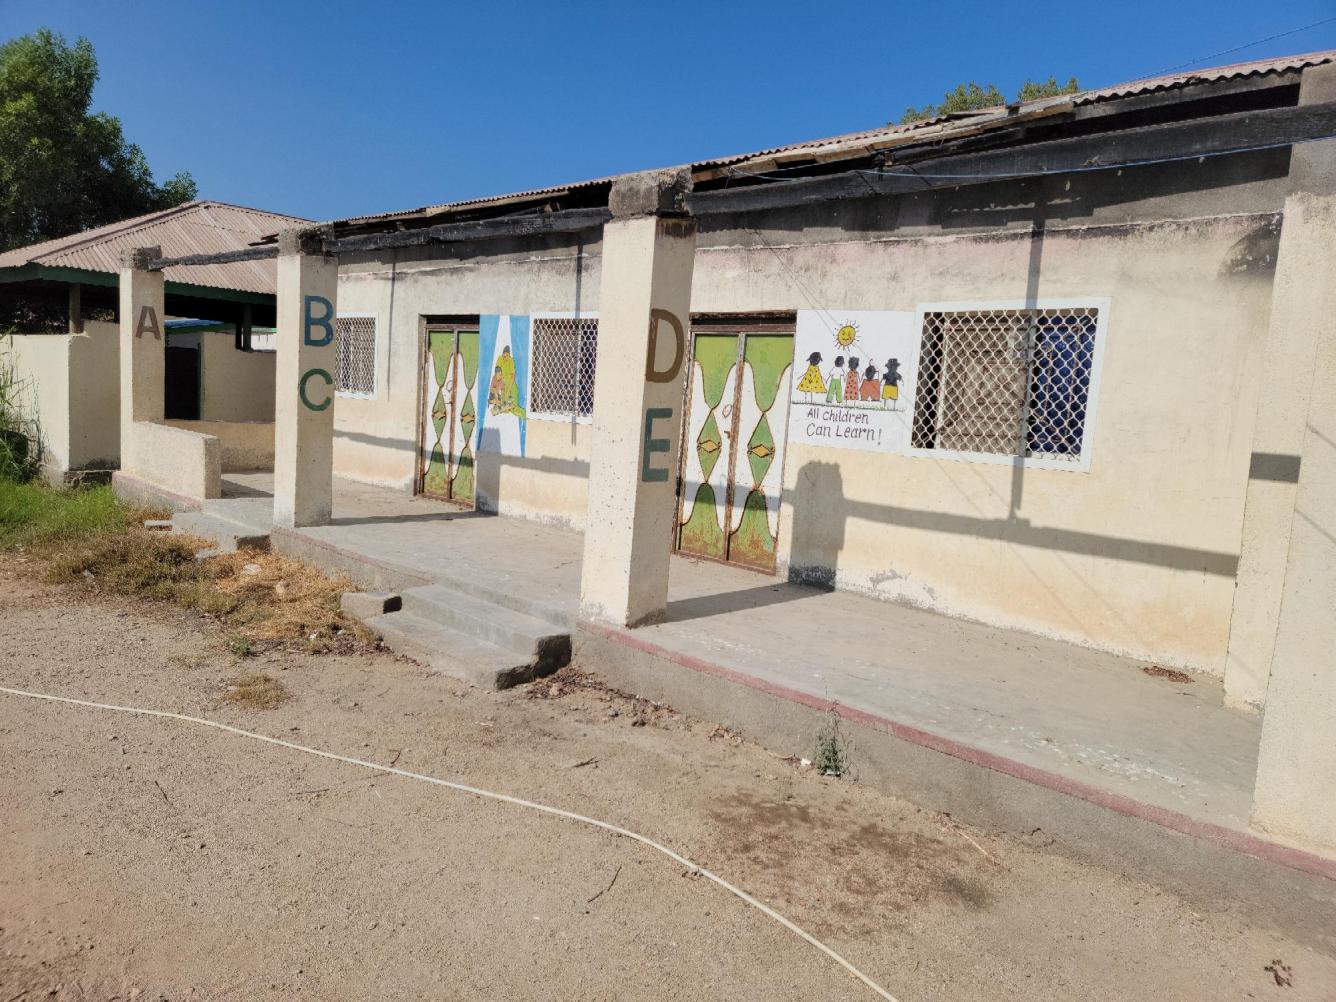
732,455
450,390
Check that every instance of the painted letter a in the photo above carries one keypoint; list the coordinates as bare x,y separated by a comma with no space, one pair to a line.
653,375
322,321
148,321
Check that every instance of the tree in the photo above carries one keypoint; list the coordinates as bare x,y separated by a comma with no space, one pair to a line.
1031,91
971,96
965,97
63,169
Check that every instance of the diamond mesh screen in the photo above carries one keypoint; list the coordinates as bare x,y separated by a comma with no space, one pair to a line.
355,338
1005,382
565,350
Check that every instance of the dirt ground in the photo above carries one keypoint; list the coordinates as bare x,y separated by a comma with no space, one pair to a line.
152,859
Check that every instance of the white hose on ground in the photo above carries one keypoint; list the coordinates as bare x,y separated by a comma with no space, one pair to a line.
489,794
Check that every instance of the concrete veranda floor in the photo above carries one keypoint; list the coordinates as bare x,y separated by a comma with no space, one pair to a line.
1090,717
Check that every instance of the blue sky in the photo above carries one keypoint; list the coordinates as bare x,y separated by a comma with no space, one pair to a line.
337,108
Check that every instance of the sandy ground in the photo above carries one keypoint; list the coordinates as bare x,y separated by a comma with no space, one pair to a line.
152,859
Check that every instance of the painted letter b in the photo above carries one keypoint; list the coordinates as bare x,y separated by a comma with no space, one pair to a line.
322,321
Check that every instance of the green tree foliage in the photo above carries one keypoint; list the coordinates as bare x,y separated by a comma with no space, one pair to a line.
63,169
1031,91
971,96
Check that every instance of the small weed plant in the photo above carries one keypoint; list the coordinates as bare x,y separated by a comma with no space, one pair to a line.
833,747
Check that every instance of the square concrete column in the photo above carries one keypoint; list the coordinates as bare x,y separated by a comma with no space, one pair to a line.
1295,796
649,250
143,350
304,381
1303,301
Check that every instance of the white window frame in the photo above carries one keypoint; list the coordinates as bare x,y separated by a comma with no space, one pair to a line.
375,357
1082,463
556,416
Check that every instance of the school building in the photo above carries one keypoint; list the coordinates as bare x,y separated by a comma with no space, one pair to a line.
1065,367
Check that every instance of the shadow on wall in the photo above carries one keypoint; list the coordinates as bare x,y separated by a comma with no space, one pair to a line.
491,461
818,505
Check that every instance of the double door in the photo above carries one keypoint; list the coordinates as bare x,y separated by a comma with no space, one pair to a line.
450,415
733,446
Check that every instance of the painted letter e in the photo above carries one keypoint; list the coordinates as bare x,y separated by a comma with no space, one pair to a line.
322,321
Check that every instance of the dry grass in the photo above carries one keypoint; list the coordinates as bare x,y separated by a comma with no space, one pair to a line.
268,602
255,691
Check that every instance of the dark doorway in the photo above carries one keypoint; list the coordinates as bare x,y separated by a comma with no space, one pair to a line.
181,384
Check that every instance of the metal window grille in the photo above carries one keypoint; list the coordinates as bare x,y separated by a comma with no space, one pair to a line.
355,339
1005,382
565,351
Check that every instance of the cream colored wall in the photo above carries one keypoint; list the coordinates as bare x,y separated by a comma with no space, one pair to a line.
1137,556
234,385
244,446
549,484
71,385
95,364
178,460
40,365
376,440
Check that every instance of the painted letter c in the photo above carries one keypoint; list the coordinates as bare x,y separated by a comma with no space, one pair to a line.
301,389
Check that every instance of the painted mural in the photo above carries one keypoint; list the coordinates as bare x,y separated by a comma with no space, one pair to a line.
504,353
449,445
857,383
733,457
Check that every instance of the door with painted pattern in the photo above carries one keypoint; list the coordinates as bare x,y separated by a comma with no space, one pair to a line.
450,414
733,445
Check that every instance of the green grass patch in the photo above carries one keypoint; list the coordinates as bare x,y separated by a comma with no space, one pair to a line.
89,538
35,515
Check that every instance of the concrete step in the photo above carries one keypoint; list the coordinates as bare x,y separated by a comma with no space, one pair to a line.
496,624
226,535
496,592
452,652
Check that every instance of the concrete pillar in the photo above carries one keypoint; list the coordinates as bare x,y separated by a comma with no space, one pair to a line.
649,249
1295,795
305,373
143,348
1303,300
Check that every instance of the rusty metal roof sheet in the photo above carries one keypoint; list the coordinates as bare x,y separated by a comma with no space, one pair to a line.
837,147
200,227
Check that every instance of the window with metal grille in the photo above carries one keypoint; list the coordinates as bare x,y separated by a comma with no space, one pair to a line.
565,350
355,340
1006,382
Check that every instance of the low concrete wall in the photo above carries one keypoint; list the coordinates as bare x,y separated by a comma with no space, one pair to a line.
71,389
95,397
178,460
244,445
40,365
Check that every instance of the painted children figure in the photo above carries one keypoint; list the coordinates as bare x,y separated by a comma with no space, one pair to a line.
851,383
835,382
812,381
890,384
870,391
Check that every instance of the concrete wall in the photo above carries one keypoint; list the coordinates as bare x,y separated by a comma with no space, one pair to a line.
1138,555
244,446
549,484
71,389
183,462
234,385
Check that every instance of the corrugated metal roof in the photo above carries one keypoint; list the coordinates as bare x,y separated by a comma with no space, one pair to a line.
201,227
835,147
822,149
1236,71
